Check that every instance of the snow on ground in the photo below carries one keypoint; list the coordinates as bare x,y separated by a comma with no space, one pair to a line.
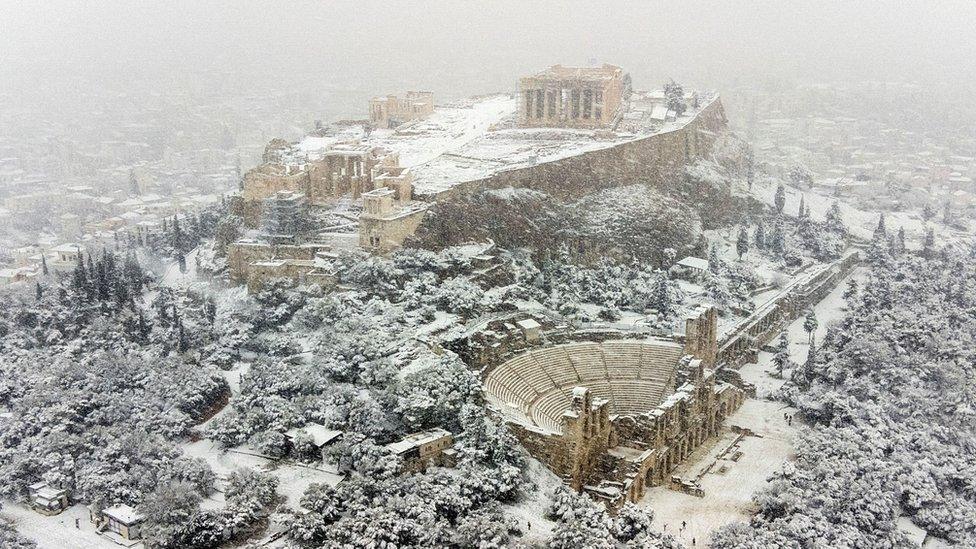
447,129
528,512
478,154
860,223
173,278
728,495
293,478
222,461
59,531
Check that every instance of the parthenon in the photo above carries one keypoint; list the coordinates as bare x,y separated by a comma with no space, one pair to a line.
573,97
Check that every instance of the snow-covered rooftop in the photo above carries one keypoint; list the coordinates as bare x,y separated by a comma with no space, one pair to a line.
417,439
124,514
320,434
692,262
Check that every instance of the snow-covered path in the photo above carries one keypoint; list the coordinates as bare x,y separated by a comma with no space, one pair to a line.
59,531
728,495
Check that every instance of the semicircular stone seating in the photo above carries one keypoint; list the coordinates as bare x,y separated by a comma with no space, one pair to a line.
534,388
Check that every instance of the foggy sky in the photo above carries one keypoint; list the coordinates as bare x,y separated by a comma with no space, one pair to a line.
458,48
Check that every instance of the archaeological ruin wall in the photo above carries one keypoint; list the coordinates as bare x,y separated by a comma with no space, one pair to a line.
653,160
613,417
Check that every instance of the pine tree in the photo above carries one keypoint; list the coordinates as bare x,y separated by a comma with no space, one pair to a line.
181,341
750,168
132,272
44,269
947,213
901,240
802,213
144,327
779,201
177,235
675,96
38,291
893,246
778,245
80,275
834,220
662,296
713,261
809,366
102,280
742,242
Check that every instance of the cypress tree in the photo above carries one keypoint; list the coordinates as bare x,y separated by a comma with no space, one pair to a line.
742,242
779,201
761,236
80,275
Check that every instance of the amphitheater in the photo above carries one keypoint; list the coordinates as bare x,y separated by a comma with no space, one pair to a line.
610,415
535,388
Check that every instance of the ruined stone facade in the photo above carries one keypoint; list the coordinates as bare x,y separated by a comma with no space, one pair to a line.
573,97
385,222
255,263
277,196
345,169
634,413
391,111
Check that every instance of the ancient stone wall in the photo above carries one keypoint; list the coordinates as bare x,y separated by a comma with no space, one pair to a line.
242,255
653,160
741,345
384,234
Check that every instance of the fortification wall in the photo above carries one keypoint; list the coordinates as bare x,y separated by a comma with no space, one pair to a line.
652,160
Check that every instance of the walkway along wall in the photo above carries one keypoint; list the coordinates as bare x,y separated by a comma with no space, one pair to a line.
743,344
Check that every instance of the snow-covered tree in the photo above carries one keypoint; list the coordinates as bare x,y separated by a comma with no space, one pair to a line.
781,359
760,236
779,200
742,242
810,323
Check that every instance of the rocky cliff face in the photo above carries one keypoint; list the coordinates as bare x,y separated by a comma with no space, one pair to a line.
633,200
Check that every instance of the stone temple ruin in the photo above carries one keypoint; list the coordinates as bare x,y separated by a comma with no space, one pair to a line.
613,417
368,184
573,97
390,111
